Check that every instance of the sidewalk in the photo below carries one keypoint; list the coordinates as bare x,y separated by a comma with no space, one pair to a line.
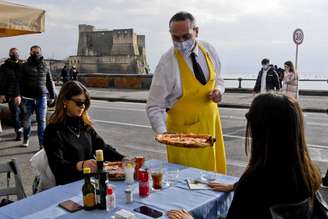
233,100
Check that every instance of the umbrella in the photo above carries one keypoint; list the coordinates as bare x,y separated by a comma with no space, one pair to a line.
18,19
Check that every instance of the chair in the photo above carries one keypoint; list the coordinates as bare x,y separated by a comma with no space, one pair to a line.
9,167
301,210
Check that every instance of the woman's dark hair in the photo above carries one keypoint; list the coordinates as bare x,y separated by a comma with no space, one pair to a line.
69,90
290,65
275,128
183,16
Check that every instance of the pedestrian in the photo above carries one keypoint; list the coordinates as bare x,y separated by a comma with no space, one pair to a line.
9,90
290,81
280,170
186,88
64,74
267,79
70,140
73,73
36,85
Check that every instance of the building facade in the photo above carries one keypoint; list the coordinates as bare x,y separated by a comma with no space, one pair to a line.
119,51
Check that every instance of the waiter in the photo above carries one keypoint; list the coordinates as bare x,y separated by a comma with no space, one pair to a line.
184,93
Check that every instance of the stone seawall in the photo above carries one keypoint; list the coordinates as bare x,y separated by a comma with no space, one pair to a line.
132,81
119,81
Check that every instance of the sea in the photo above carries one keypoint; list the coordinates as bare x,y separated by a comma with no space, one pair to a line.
303,85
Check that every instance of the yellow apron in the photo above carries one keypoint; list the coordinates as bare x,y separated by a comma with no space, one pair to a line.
195,113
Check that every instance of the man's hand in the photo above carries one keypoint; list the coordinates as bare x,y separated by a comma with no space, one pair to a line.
215,95
18,100
179,214
220,187
2,98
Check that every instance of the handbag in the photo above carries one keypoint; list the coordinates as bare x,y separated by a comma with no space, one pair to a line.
320,207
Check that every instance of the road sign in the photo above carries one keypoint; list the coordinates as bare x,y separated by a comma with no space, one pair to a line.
298,36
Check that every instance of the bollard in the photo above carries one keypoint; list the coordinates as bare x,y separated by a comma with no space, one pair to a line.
239,80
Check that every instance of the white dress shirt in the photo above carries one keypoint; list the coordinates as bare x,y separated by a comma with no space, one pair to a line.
263,81
166,87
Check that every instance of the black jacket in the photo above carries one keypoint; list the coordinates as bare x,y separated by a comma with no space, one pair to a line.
71,141
64,74
272,80
257,192
9,72
35,80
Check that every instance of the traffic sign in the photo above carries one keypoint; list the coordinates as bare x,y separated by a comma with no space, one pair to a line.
298,36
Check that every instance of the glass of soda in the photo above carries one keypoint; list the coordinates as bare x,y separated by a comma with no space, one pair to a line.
157,177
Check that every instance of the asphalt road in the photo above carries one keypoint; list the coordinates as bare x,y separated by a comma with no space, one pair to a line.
125,126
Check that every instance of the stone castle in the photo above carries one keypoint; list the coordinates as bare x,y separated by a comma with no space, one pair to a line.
118,51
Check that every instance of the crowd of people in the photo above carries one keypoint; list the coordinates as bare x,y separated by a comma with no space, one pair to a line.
184,95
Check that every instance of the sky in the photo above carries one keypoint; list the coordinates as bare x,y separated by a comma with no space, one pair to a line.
242,31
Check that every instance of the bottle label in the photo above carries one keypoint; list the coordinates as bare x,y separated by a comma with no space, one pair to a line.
89,200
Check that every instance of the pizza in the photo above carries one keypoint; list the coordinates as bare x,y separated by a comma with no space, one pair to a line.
114,170
186,140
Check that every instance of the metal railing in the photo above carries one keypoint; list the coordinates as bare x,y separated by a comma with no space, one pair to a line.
254,79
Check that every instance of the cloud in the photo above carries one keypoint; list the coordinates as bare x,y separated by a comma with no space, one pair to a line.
243,32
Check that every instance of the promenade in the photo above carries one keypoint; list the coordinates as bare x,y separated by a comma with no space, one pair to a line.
119,117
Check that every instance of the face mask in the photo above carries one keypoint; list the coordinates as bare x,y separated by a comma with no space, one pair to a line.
265,67
36,57
14,56
185,46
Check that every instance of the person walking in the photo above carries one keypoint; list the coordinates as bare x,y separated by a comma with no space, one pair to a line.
9,90
290,81
73,73
267,79
64,74
184,95
36,86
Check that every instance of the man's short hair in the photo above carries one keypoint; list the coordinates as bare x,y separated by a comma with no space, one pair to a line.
35,47
183,16
12,49
265,61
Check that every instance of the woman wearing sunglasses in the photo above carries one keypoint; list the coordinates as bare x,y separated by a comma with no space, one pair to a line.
70,139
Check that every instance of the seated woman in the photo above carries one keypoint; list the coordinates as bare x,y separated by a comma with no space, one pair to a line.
70,140
280,170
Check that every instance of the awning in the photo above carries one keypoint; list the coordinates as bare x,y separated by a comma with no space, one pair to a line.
18,19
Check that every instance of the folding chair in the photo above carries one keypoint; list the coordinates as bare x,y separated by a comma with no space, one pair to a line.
9,167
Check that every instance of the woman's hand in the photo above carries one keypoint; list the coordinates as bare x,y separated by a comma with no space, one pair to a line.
92,164
220,187
179,214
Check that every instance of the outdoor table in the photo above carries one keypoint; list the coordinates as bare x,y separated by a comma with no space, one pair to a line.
201,203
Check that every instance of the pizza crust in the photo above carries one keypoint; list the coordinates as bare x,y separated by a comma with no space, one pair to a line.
186,140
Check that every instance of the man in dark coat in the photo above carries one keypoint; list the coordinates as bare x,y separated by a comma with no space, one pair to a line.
9,89
267,79
64,74
73,73
36,86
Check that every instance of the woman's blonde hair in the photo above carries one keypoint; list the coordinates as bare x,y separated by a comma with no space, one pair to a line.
69,90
